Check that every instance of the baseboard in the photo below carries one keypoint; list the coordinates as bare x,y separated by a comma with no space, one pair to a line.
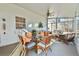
2,45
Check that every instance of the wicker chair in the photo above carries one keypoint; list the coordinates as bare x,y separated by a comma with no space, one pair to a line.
45,43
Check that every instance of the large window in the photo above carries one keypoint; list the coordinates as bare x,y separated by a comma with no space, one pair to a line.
61,23
77,26
67,24
20,22
51,24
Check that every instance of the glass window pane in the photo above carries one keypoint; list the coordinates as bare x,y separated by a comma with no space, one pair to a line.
63,24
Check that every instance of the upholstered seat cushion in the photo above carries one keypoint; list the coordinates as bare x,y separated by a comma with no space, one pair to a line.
45,45
41,44
49,44
30,45
53,40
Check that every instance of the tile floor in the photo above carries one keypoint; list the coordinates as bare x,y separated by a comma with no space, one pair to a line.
6,50
58,49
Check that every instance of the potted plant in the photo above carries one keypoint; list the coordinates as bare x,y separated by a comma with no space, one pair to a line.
40,25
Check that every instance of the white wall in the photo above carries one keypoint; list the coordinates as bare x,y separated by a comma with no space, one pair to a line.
9,11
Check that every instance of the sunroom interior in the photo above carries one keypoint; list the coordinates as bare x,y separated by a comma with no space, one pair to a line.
39,29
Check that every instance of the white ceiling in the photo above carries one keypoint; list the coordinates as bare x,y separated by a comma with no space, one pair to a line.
67,10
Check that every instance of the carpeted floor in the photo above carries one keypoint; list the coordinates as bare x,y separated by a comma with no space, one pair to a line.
6,50
58,49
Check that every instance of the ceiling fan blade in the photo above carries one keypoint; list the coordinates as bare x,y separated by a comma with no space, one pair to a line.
48,13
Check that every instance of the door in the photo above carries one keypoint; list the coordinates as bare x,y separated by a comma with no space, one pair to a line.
2,31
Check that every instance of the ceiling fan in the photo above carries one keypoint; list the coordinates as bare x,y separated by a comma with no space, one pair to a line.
50,13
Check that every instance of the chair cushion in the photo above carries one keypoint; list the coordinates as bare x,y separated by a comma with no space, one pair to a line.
53,40
49,44
41,44
30,45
